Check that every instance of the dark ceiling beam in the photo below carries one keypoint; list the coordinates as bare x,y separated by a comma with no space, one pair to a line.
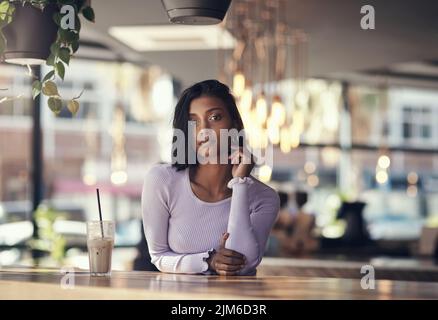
365,147
401,75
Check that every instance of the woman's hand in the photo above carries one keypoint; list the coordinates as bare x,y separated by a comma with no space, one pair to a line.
243,162
226,262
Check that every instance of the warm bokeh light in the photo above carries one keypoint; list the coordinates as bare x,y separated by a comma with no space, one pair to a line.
330,156
384,162
298,121
334,231
294,137
246,100
309,167
278,112
412,177
302,98
89,179
119,177
265,173
261,109
381,176
273,131
412,191
258,138
238,84
313,180
315,86
285,139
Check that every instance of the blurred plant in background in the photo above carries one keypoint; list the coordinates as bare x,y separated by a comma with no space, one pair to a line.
332,227
49,241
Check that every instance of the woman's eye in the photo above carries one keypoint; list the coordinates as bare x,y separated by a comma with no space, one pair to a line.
215,117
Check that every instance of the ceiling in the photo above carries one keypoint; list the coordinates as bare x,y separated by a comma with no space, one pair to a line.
406,32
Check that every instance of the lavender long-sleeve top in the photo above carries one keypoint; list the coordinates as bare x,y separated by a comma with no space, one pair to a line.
181,229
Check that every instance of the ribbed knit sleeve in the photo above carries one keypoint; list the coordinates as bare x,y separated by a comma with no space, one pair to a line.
248,230
155,210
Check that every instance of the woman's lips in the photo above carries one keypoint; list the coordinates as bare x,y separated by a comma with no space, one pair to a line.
201,142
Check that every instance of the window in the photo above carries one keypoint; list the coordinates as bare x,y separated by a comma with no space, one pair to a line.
15,90
417,124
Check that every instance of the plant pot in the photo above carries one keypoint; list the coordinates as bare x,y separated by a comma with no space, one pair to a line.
30,34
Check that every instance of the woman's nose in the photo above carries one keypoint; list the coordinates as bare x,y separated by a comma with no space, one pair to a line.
202,135
204,125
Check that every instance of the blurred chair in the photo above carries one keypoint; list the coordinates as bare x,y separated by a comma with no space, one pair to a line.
356,232
302,240
428,243
143,260
299,230
278,232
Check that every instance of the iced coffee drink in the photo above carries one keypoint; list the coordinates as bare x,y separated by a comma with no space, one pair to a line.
100,242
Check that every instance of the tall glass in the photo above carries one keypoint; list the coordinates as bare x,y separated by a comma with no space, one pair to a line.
100,243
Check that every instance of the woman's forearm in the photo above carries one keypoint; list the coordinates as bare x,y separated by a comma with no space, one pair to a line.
170,261
242,237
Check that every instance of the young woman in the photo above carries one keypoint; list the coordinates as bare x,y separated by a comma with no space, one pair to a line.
207,218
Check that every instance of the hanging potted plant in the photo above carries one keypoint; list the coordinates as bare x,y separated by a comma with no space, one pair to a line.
43,31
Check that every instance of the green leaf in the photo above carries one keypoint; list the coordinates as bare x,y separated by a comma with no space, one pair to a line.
80,3
4,8
54,48
77,23
7,10
64,55
60,69
57,18
73,106
50,89
75,46
49,75
39,3
55,104
10,12
51,60
36,88
68,35
2,42
88,13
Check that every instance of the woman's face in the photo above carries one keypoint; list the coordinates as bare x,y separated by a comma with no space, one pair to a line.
209,113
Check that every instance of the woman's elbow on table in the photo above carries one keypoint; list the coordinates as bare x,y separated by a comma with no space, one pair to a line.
253,260
251,267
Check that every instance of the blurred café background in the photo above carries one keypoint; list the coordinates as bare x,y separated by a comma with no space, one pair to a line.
351,114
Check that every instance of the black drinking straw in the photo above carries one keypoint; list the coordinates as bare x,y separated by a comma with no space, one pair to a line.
100,211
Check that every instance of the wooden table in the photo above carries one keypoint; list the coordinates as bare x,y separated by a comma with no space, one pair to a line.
31,283
401,269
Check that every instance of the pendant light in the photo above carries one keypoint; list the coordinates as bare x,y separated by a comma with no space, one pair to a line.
196,12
